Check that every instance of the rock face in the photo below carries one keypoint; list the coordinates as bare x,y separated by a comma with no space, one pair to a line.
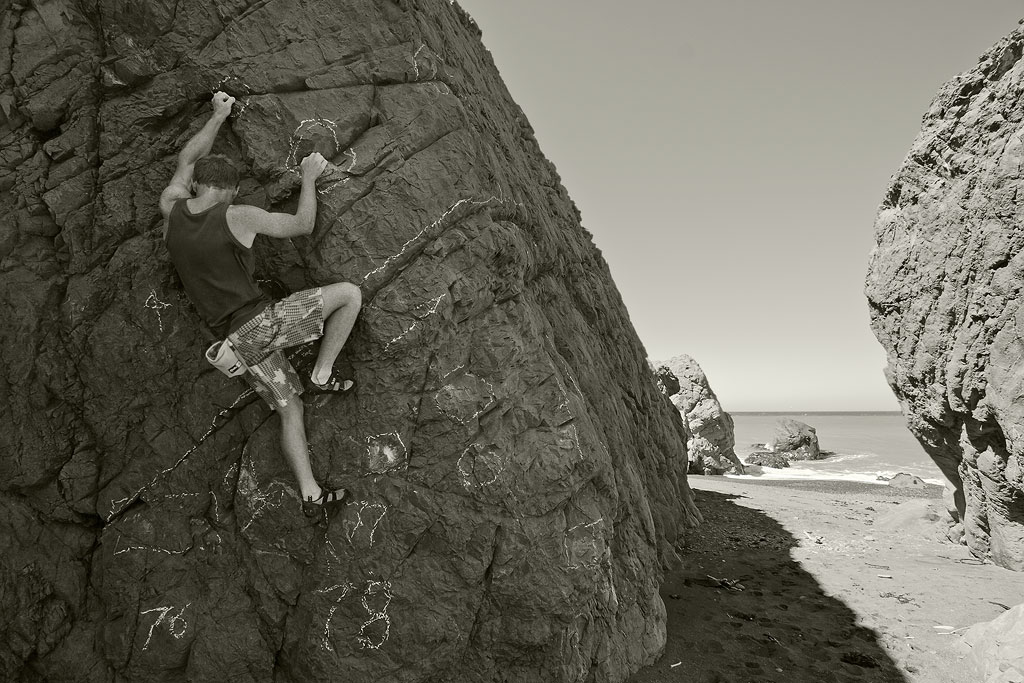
944,287
954,522
994,647
712,440
518,479
795,440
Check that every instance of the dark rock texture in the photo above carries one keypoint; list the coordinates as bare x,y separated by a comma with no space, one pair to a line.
668,383
711,440
767,459
944,287
795,440
518,479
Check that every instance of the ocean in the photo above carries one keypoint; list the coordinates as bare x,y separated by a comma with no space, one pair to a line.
866,445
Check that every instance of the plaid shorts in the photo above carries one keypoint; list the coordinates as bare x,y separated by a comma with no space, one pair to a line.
294,320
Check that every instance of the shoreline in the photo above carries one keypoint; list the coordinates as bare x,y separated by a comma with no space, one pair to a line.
856,446
805,470
832,485
821,580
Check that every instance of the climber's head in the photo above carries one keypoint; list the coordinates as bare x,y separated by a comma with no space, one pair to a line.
216,173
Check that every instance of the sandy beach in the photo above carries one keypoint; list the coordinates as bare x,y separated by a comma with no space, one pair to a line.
823,581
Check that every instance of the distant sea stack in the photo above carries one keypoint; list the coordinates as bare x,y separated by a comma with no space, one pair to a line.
944,286
797,440
791,440
711,440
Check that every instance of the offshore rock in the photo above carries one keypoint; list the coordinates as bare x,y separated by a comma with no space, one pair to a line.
795,440
518,480
768,459
944,284
711,441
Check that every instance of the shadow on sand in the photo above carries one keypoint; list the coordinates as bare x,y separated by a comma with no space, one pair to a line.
775,623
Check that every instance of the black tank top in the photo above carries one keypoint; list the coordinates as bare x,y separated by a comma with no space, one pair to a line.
215,268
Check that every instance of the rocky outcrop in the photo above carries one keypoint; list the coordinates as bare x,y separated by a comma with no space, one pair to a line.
944,287
712,441
791,440
767,459
954,522
993,648
667,382
518,480
903,480
795,440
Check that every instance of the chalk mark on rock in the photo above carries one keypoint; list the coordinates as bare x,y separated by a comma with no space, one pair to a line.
436,301
307,125
375,609
468,469
332,552
127,500
434,224
376,615
346,589
451,372
364,505
451,414
240,105
415,64
383,454
172,623
232,472
580,544
259,499
119,550
154,303
325,643
575,440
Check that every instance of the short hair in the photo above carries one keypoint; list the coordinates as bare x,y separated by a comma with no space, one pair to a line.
216,170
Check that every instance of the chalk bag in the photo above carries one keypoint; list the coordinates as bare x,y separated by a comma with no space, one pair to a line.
223,357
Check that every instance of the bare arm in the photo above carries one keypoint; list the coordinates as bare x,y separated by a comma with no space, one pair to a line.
196,148
312,166
248,221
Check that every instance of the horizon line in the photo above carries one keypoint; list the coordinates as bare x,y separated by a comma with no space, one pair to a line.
818,412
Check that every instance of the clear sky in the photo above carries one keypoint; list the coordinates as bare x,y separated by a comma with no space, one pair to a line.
729,158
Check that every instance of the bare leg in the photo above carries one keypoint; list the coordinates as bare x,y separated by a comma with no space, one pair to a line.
341,306
296,450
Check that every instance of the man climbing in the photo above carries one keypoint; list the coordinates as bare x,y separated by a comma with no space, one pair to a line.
210,242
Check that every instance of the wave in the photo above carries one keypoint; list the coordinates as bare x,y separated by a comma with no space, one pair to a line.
844,457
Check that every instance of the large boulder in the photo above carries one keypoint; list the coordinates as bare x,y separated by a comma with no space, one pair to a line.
944,284
712,440
904,480
795,439
518,480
